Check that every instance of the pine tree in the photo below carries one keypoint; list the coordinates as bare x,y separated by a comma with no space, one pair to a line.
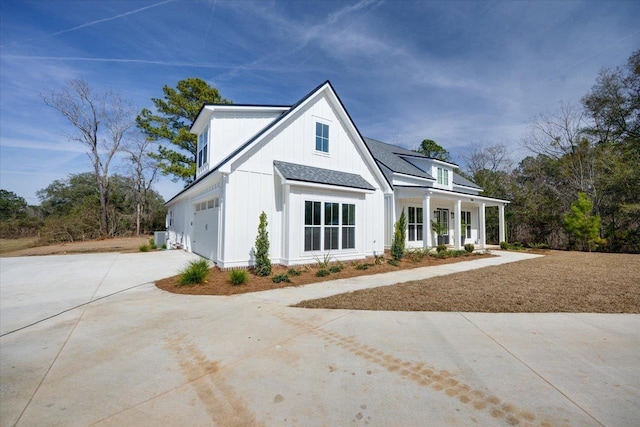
263,263
581,224
398,243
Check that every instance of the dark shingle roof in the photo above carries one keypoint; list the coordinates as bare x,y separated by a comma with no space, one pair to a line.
460,180
390,156
387,155
304,173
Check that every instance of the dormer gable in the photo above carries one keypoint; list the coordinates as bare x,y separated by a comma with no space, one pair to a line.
223,128
441,171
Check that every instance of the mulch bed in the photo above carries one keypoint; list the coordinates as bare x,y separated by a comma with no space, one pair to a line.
219,284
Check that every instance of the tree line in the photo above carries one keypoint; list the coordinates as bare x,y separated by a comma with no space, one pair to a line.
580,185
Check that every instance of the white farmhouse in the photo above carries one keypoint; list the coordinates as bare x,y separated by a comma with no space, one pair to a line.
324,188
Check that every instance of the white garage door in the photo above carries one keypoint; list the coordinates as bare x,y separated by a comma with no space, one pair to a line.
205,229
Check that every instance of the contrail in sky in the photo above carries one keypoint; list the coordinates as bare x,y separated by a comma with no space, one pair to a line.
89,24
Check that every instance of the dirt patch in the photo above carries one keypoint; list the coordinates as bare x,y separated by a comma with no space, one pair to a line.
574,282
218,282
21,247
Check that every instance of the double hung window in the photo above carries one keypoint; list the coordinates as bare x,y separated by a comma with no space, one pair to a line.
203,146
312,226
443,176
465,224
322,137
414,224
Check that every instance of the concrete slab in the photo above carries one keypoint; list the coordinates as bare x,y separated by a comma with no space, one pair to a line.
34,288
146,357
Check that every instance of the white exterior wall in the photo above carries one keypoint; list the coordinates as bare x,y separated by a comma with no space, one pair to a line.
255,186
180,232
228,130
231,129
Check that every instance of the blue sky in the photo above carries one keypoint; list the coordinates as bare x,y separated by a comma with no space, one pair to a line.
465,74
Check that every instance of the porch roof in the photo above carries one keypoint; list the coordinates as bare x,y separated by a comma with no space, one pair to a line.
404,192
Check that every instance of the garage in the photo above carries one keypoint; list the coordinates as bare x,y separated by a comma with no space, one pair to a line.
205,227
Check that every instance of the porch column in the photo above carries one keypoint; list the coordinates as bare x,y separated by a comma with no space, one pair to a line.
482,229
458,234
502,236
426,224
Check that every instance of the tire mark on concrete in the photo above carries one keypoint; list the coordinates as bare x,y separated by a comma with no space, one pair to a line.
219,399
426,376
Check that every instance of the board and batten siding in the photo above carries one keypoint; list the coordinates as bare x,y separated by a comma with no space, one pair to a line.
254,186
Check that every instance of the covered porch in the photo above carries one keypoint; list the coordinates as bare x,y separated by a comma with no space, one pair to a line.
445,217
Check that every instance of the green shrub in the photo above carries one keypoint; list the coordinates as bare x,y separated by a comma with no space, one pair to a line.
144,248
281,278
504,245
293,272
164,246
416,254
393,262
322,272
263,263
379,259
238,277
335,269
516,245
469,247
363,266
323,262
398,243
441,248
152,242
194,273
153,247
457,253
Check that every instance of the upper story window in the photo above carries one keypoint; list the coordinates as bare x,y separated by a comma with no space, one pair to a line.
443,176
322,137
203,146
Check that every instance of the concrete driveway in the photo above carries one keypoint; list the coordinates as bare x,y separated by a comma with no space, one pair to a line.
146,357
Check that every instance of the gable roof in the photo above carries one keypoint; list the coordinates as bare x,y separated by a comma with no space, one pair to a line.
313,174
272,125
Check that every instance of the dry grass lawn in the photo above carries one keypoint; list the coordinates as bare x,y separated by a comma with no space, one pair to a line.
27,246
559,282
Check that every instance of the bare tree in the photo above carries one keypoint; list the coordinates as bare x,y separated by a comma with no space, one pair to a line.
100,121
562,136
144,170
489,166
494,158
